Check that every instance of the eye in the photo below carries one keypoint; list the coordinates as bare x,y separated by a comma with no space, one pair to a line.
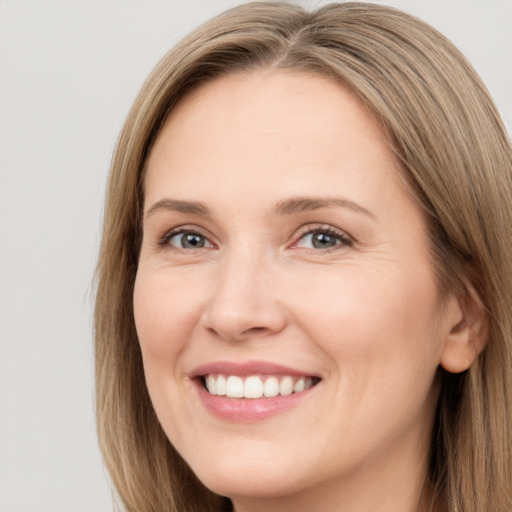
323,238
186,240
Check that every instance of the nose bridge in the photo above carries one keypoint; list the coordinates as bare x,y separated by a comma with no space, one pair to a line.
244,301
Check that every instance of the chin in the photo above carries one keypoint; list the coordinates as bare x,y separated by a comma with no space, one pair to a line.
254,484
247,473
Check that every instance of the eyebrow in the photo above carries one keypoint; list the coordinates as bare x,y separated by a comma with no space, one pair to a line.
289,206
176,205
305,204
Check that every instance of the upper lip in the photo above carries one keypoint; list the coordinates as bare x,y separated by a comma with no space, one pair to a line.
246,369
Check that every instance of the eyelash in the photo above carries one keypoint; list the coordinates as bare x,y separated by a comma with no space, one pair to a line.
164,241
340,236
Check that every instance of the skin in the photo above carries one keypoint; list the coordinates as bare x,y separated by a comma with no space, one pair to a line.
365,316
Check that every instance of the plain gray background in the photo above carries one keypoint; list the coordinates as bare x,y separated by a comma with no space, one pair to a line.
69,71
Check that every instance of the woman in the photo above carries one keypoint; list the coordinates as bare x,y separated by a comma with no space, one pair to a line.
304,288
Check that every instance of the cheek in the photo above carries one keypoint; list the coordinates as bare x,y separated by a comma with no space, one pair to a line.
164,317
384,343
375,326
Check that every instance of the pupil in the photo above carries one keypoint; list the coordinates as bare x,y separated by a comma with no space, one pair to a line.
321,240
192,241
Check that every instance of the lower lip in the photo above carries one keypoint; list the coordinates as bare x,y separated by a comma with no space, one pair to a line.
246,410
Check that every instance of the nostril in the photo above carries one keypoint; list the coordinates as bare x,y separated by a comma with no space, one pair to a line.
256,329
255,332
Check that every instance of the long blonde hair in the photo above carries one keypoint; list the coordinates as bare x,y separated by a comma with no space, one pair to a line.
456,155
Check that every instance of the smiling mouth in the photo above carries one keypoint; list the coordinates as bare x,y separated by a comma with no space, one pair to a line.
255,386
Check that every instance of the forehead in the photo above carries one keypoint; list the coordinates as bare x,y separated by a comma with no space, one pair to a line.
270,94
267,125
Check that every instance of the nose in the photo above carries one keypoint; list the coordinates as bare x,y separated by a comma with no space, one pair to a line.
244,300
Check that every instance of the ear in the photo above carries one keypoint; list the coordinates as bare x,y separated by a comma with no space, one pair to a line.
467,326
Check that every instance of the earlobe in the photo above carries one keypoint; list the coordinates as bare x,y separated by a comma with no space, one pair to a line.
467,331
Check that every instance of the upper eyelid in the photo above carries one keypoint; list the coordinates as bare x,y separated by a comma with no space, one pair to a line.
187,228
313,227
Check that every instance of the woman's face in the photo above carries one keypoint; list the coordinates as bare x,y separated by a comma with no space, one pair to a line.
283,256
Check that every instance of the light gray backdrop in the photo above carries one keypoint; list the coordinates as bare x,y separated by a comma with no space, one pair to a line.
69,72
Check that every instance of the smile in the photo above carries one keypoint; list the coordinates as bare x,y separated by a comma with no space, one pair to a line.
255,386
251,391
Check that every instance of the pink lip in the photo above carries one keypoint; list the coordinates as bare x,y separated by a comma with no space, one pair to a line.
246,369
246,410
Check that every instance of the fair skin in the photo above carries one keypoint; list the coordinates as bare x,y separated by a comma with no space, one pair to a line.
240,275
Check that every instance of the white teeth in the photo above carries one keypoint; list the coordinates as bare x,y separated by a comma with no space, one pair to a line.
299,385
271,387
211,385
286,386
254,386
234,387
221,385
